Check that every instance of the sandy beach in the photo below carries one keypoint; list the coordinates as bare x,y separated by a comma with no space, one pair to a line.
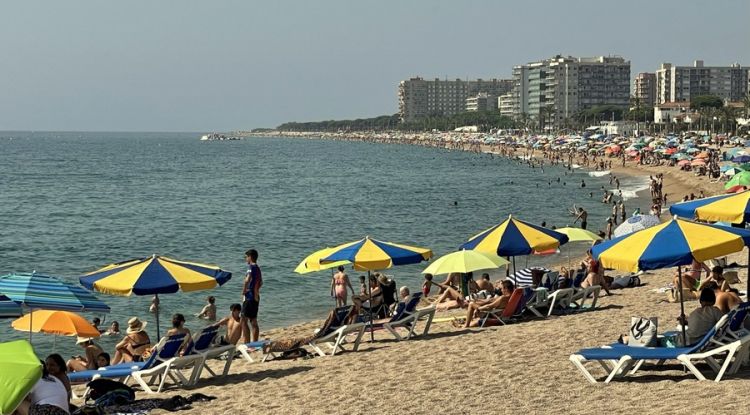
521,367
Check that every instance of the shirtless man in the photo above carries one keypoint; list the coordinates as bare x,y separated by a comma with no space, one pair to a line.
725,300
484,283
583,216
453,280
716,276
498,302
232,321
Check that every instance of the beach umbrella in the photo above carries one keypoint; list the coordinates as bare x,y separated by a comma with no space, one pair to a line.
37,291
311,263
698,162
9,308
369,254
683,162
671,244
732,208
740,179
464,261
578,235
515,237
57,322
741,159
154,275
523,278
636,223
20,369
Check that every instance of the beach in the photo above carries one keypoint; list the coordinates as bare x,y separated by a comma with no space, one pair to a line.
520,367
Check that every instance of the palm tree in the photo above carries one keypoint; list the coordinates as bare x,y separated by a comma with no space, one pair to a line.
746,103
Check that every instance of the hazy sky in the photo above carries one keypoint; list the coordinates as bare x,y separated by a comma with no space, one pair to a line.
224,65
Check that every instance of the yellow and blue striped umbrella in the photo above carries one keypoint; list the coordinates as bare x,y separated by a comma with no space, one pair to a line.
670,244
154,275
515,237
311,263
733,208
371,254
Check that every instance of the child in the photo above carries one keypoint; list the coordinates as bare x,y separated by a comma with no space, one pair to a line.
209,311
427,284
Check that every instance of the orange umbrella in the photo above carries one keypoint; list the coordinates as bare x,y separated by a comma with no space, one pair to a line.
56,322
702,155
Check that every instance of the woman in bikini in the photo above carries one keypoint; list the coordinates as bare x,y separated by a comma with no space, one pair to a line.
135,343
339,282
692,276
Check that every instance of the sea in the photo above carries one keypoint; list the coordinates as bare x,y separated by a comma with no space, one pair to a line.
71,202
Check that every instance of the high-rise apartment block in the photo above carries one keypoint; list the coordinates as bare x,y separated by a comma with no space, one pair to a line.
645,89
418,98
564,86
481,102
680,83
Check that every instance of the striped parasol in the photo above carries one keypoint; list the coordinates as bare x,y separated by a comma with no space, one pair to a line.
38,291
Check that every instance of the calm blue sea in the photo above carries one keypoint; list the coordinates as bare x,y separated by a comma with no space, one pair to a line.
72,202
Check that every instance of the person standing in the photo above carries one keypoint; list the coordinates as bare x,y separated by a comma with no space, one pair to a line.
583,216
339,282
251,294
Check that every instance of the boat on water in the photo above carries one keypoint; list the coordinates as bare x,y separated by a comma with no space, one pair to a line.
219,137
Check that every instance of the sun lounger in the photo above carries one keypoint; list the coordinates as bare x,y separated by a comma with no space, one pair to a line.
334,336
513,308
619,360
407,316
580,295
246,350
204,346
157,365
557,300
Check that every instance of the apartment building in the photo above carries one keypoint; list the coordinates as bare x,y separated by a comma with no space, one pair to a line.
563,86
418,98
481,102
644,89
680,83
506,103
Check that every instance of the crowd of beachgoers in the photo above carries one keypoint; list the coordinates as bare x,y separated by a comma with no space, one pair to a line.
480,301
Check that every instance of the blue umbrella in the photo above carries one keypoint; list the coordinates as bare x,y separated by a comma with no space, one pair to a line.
50,293
9,308
741,159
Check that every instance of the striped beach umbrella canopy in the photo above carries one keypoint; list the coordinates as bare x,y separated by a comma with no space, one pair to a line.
369,254
20,369
154,275
39,291
732,208
9,308
670,244
523,278
515,237
311,263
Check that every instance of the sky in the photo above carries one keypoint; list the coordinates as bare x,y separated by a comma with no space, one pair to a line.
235,65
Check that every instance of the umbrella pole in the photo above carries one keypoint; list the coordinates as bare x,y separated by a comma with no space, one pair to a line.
158,309
369,295
747,293
682,307
31,322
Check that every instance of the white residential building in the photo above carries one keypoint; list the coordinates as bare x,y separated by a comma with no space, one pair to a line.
680,83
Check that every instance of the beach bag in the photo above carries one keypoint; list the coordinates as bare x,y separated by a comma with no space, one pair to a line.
643,331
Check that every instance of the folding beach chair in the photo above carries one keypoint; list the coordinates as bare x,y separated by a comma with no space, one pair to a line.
406,315
557,300
334,335
513,308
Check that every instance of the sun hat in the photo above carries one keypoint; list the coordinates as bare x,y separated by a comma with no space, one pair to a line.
80,339
135,325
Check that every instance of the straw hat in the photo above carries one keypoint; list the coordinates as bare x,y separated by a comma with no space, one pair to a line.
135,325
80,340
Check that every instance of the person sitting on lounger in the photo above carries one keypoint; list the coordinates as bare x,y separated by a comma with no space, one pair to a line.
403,293
293,343
371,301
595,273
453,281
178,327
484,283
80,363
134,345
234,328
691,277
497,303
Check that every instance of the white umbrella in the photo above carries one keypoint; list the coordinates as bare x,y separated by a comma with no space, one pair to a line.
636,223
